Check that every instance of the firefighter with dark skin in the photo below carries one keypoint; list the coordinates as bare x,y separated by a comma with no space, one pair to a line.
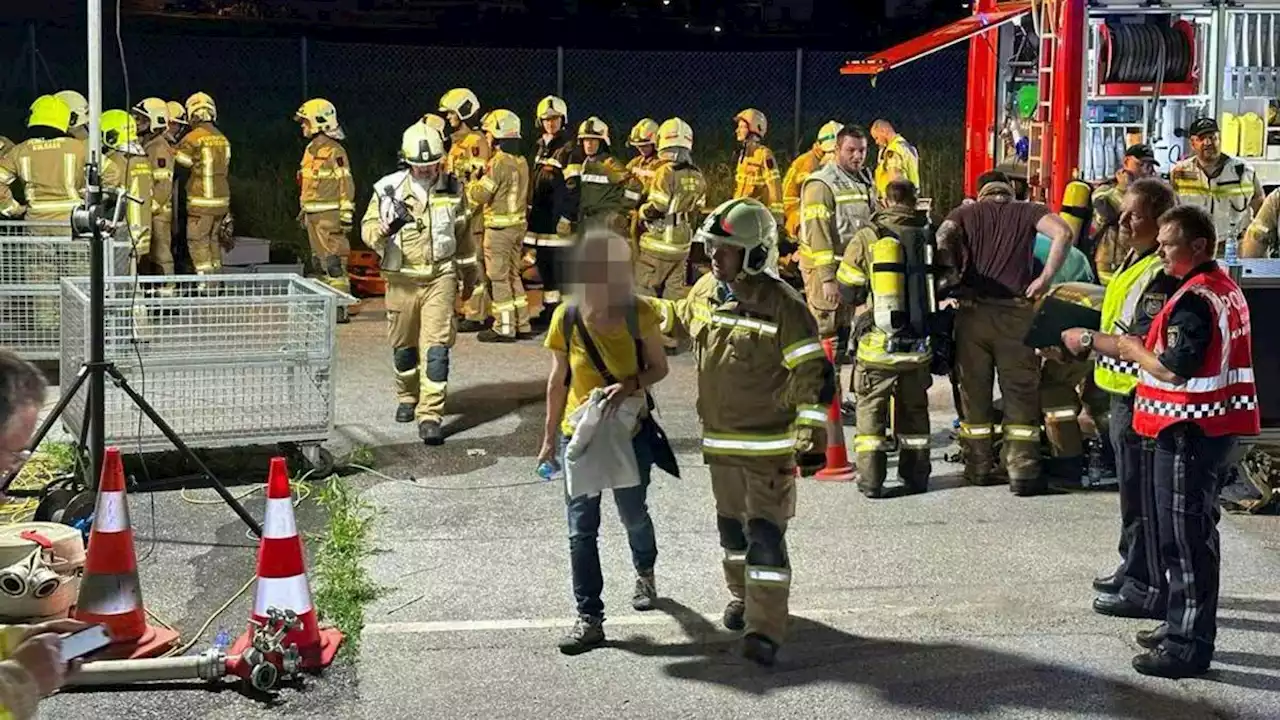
125,160
889,265
152,116
547,195
499,196
644,138
751,331
468,151
800,169
416,222
1137,291
988,246
756,175
599,192
327,193
669,217
1225,187
836,201
206,154
1194,399
1108,240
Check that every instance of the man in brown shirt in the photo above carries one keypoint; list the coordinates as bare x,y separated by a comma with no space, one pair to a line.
990,245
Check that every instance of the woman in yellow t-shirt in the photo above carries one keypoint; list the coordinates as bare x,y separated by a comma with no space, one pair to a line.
613,316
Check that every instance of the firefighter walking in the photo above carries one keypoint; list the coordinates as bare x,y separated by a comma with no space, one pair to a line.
547,196
126,161
890,266
206,153
764,386
152,116
416,222
327,193
499,196
756,174
468,151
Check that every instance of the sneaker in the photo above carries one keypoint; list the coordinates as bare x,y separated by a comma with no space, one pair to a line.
646,593
587,634
430,432
759,649
735,615
404,412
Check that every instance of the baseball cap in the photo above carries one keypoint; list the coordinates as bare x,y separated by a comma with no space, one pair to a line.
1142,151
1203,126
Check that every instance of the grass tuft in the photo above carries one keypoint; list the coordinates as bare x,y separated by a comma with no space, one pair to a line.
343,586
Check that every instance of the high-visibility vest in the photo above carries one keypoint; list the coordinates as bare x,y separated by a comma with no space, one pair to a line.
1221,398
1226,197
1123,303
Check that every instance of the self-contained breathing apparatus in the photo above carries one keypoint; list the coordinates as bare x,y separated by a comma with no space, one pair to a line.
903,287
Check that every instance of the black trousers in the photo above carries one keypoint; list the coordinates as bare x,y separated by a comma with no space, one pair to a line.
1140,567
1189,471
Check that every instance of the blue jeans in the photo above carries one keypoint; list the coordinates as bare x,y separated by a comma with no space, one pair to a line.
584,527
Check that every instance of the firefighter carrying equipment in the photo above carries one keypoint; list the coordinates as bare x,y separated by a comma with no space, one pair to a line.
675,133
757,123
502,125
1077,200
1227,197
645,132
318,115
421,146
593,127
40,568
49,111
156,113
745,223
552,106
79,107
200,107
460,101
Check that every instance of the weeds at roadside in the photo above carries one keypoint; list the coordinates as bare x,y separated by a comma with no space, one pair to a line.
343,586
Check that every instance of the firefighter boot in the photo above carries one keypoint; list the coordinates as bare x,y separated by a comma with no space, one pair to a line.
431,432
404,412
759,649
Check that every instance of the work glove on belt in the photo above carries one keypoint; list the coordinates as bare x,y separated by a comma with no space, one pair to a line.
810,449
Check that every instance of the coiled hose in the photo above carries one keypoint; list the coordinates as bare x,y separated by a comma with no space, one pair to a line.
1145,53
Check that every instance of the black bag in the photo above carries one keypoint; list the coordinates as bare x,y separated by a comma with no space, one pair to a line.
650,431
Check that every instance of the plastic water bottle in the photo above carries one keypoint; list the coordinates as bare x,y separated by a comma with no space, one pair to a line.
548,472
1231,252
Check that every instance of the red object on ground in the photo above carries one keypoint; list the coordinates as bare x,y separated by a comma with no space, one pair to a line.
838,468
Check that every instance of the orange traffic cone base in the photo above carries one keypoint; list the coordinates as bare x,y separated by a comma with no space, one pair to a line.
318,659
834,473
155,641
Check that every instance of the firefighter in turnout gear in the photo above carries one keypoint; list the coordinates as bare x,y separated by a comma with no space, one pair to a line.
152,115
801,169
898,159
547,196
206,154
600,193
178,124
889,264
79,105
467,152
416,222
644,138
669,216
327,198
1225,187
756,175
1108,240
764,386
836,201
127,160
500,196
1260,240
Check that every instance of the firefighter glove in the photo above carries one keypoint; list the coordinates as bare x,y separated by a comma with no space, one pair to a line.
810,439
564,227
810,463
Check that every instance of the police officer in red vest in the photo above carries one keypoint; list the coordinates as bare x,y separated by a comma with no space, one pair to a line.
1195,396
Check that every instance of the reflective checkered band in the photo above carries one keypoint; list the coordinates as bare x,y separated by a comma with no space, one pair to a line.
1126,367
1194,411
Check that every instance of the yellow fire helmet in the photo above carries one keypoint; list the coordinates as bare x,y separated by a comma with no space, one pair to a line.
502,125
421,145
201,108
156,111
79,107
552,106
461,101
645,132
593,127
49,111
675,133
120,132
756,121
318,115
827,136
177,112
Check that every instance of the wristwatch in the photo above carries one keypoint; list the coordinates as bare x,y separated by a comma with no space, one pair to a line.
1086,339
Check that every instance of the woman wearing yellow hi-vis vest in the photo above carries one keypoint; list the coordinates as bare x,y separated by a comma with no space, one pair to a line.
1134,296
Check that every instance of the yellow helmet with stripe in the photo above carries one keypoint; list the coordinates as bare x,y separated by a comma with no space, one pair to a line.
461,101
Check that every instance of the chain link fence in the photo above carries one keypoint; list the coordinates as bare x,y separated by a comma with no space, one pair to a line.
379,90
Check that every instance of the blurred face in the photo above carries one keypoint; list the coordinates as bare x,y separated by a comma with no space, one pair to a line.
1139,168
1137,219
425,173
606,278
591,146
851,153
15,435
1178,255
552,125
742,131
1207,147
726,261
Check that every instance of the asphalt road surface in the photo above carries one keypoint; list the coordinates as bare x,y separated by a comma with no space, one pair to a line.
962,602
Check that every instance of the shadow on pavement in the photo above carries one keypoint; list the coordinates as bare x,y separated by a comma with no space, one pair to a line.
939,677
1249,605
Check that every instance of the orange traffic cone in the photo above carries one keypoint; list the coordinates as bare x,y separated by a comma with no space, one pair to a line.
110,593
838,468
282,578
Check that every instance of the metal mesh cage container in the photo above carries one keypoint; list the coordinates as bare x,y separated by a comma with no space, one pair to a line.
226,360
34,257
